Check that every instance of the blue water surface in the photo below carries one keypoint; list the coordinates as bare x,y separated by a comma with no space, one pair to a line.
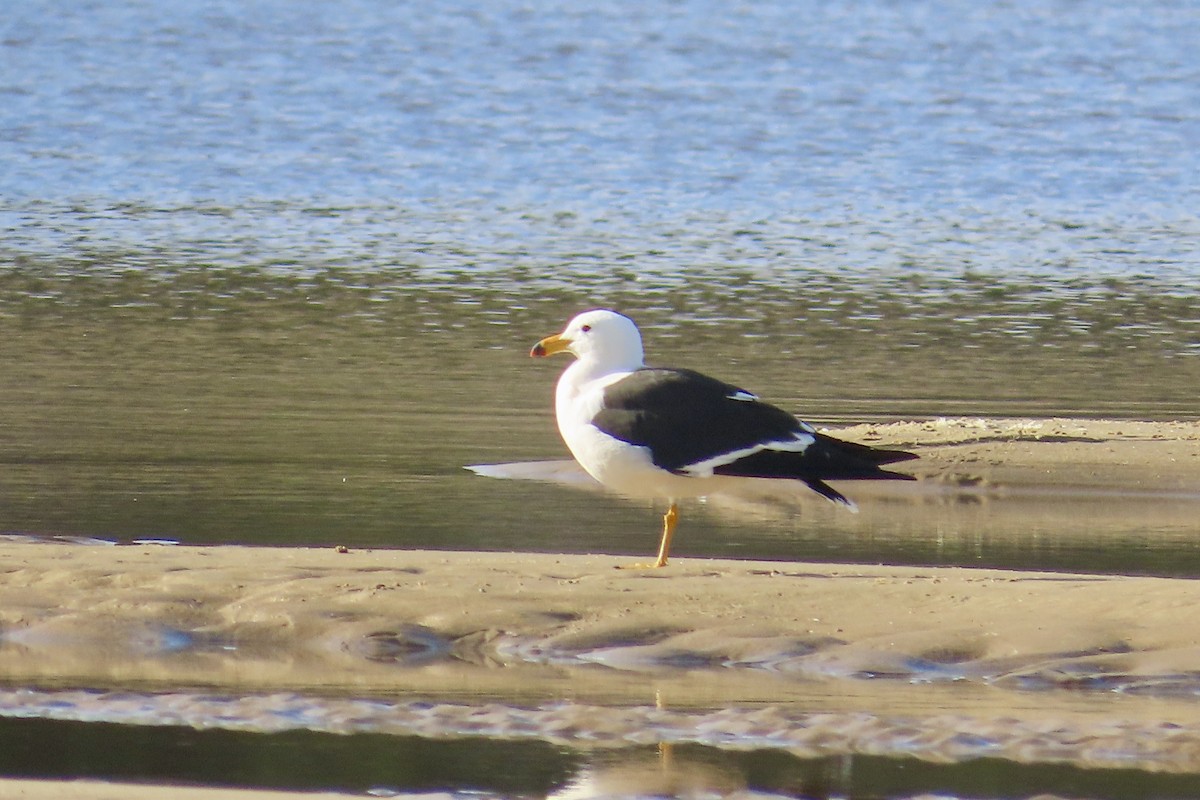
872,134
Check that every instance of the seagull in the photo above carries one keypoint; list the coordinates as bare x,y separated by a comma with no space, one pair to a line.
674,433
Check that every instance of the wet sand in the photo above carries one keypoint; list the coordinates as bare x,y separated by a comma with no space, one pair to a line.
1125,456
572,627
989,650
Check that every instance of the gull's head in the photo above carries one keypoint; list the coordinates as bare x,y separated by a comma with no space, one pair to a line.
602,337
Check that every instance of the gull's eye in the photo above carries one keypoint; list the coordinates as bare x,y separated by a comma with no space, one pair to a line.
586,328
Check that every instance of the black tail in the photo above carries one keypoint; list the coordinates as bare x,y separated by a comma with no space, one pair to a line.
864,453
826,459
830,493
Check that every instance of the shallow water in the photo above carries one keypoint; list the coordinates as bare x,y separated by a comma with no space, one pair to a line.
218,406
833,756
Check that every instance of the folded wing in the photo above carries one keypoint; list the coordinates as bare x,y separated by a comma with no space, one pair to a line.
696,425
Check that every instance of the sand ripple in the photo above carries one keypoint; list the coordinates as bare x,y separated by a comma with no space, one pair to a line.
508,625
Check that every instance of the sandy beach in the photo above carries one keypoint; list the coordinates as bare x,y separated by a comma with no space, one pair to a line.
1001,650
702,632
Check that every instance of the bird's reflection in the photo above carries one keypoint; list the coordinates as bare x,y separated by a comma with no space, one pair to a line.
694,771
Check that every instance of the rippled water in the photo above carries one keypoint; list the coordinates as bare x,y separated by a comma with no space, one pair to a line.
269,270
615,104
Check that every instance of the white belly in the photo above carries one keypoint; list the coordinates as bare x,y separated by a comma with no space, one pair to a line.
628,469
622,467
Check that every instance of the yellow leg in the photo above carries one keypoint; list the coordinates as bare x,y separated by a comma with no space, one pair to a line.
664,547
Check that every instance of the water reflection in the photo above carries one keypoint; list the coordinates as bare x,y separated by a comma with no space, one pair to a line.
682,771
386,766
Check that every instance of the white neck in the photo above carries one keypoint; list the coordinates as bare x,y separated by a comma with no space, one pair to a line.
586,377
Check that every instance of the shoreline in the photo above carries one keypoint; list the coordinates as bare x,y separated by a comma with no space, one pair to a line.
441,621
1045,666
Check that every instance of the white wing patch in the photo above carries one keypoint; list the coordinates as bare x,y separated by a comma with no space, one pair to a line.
704,469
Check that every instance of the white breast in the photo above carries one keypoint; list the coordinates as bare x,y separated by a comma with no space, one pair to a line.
622,467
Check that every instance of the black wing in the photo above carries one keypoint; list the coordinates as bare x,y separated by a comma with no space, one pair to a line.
685,417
